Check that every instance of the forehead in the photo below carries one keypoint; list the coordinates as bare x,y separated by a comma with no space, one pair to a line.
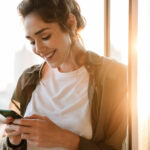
33,23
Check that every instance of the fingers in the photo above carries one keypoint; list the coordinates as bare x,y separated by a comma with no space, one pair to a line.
24,122
28,137
30,121
10,131
21,129
33,142
35,116
13,130
8,120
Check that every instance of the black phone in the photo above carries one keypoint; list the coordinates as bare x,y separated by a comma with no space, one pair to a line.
10,113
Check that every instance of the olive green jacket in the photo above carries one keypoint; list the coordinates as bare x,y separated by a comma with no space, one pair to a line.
107,93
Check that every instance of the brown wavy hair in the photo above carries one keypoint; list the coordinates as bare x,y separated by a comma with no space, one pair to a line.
53,11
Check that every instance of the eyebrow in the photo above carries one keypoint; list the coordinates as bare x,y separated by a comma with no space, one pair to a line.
38,32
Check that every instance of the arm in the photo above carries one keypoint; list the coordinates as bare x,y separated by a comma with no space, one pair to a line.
6,141
15,104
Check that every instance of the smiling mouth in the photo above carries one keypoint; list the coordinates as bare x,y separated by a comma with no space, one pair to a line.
50,55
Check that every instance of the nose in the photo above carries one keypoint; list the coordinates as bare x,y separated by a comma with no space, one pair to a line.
38,48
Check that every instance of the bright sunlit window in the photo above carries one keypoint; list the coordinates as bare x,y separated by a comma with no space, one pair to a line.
93,34
144,74
119,30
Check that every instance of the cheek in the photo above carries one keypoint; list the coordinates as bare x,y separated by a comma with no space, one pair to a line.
63,39
66,42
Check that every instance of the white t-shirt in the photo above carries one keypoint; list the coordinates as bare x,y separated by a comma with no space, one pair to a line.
63,98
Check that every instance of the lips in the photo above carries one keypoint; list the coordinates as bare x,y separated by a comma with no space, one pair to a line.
50,55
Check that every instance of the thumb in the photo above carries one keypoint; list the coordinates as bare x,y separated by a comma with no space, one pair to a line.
8,120
36,116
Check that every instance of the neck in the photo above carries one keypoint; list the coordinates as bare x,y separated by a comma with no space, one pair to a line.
75,59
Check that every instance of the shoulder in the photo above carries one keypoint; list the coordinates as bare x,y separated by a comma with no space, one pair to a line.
114,69
30,75
32,69
106,66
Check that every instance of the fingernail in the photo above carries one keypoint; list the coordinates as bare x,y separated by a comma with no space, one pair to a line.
10,118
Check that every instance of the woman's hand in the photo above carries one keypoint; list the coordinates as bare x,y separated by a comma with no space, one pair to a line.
42,132
14,136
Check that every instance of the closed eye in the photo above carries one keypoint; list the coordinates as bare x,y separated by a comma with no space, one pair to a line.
46,38
32,42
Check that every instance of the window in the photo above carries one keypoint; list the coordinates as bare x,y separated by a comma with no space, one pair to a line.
93,34
143,50
139,66
119,30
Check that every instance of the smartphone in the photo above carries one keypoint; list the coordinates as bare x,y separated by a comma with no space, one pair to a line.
10,113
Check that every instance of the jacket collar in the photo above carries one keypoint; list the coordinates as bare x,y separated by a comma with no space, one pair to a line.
37,68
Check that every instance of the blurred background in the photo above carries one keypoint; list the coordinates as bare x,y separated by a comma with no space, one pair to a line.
118,29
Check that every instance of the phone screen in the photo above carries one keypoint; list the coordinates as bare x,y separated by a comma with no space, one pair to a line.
10,113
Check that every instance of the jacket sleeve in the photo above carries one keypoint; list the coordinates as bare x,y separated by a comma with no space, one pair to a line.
90,145
113,112
5,144
14,105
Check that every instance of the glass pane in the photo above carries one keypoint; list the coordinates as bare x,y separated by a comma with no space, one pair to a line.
11,41
144,74
119,30
93,34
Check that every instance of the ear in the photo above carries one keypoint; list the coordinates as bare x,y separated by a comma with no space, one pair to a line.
72,22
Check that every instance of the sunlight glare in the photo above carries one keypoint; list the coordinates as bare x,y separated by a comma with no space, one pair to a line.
144,74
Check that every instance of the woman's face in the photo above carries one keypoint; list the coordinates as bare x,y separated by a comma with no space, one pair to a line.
47,40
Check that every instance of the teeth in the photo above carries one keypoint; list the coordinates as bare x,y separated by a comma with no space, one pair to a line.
50,54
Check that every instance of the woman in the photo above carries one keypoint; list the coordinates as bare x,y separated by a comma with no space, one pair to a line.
75,99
